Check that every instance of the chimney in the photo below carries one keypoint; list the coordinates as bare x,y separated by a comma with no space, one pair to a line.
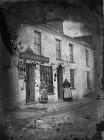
56,24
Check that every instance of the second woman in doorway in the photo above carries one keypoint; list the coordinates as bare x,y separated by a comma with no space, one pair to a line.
67,94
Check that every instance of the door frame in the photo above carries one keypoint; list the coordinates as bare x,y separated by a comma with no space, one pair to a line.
27,84
60,82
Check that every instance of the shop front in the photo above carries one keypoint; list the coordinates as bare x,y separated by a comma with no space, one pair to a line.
35,73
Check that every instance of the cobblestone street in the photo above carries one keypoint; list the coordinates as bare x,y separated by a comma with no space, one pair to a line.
60,120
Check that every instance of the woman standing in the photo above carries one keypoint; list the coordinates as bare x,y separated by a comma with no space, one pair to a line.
67,96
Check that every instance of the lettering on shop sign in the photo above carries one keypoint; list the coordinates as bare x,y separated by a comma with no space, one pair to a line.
29,55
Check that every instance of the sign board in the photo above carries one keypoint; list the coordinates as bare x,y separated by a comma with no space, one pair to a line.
29,55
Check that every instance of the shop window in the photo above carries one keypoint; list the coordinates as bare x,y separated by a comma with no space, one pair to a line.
72,77
37,43
58,49
46,75
71,52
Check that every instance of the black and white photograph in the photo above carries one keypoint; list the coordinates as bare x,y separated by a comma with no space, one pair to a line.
51,70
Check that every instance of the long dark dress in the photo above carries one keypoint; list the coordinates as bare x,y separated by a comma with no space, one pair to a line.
67,95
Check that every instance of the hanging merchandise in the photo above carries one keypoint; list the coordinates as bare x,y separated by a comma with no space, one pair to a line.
23,86
21,69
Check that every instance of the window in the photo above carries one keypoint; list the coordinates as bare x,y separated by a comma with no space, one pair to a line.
72,77
37,43
94,59
71,52
58,49
88,79
46,75
87,58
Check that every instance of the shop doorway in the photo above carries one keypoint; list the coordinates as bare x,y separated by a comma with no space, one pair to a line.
30,83
60,82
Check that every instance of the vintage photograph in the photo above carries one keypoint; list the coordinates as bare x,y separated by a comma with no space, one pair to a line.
51,70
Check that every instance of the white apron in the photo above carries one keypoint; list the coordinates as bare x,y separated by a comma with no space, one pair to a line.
67,93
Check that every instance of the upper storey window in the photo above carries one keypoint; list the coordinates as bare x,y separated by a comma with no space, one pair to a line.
37,42
58,49
71,52
87,58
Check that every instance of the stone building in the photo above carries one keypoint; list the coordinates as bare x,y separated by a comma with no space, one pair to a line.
47,54
51,56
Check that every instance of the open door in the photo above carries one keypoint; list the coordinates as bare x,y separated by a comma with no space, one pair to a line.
30,83
60,82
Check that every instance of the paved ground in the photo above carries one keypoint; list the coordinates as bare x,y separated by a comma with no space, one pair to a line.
59,120
48,109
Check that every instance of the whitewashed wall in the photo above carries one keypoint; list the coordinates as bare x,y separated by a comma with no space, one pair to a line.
26,36
48,49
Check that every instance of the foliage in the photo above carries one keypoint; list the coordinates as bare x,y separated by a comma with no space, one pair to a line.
8,35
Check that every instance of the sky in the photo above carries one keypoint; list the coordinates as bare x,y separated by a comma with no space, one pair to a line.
79,16
73,29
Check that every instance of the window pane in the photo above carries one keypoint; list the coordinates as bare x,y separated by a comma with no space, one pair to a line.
88,79
71,52
87,58
72,77
36,49
58,49
39,51
37,40
59,55
71,57
58,44
94,59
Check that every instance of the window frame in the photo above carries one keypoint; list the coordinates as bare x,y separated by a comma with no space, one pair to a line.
58,51
72,78
94,59
87,57
71,53
39,44
88,80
